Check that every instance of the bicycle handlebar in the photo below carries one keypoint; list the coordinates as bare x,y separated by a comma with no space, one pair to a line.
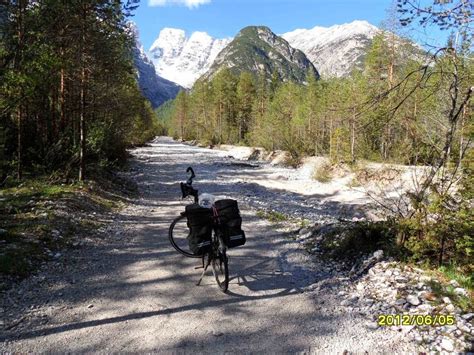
187,188
190,179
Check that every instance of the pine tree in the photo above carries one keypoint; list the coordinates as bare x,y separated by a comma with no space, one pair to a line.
245,102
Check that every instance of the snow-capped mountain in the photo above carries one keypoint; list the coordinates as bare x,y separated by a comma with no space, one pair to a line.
336,50
183,60
256,49
155,88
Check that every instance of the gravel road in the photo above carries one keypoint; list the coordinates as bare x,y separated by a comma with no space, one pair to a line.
134,293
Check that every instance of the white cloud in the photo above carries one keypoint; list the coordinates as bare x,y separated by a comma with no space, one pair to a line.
188,3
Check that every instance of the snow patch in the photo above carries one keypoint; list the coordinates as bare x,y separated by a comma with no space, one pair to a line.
333,50
183,60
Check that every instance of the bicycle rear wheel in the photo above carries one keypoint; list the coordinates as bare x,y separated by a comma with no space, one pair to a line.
220,269
177,234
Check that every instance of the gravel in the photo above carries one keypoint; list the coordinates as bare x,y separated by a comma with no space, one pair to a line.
127,290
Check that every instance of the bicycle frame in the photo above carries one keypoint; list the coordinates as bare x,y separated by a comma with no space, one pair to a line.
216,245
217,255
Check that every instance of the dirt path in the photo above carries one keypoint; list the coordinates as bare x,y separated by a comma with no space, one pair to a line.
134,293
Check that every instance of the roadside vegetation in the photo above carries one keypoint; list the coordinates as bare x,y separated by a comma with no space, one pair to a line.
405,106
70,107
39,219
70,101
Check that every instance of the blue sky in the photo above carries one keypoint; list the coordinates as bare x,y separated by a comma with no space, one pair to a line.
224,18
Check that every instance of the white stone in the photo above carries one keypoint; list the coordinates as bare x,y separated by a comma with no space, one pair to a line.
461,291
415,301
425,308
421,294
372,325
463,327
401,279
467,316
454,283
304,231
425,278
418,339
450,308
378,254
447,344
446,300
450,328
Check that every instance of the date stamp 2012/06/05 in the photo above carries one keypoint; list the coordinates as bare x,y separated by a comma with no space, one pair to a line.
436,320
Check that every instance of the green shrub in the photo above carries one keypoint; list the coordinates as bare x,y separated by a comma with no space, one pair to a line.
352,240
323,173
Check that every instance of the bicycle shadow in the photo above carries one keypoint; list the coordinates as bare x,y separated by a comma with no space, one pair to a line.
119,273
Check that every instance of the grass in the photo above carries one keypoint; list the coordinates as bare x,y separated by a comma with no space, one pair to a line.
32,209
443,289
292,161
355,182
272,216
304,223
440,290
352,240
323,173
450,272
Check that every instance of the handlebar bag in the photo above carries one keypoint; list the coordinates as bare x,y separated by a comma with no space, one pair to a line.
199,221
230,223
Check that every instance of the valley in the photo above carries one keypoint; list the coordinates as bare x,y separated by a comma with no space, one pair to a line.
347,146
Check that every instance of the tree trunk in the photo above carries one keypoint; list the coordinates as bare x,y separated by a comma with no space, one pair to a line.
19,166
353,135
17,65
441,251
461,139
62,100
2,153
82,133
54,127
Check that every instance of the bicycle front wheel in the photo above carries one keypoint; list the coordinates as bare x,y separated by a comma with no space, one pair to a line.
220,268
177,234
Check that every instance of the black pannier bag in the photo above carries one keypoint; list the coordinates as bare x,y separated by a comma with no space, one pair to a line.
229,223
200,228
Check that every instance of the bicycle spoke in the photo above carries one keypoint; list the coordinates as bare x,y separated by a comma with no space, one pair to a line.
177,235
220,270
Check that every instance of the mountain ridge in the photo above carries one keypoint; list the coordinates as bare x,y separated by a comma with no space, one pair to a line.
335,51
155,88
257,49
183,59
